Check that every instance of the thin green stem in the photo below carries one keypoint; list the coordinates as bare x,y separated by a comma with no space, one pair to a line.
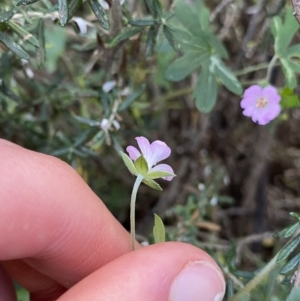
137,183
256,280
270,68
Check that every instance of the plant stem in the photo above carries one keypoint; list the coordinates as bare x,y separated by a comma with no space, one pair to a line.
137,183
256,280
270,68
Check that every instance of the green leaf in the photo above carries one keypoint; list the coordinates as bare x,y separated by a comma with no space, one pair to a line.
73,7
4,17
187,17
158,174
294,295
42,43
288,231
295,215
157,8
15,48
152,184
168,32
206,90
63,12
130,99
142,22
159,232
226,76
26,2
291,265
204,18
288,249
24,34
87,121
150,42
293,51
141,165
185,65
97,141
289,100
284,33
99,13
289,73
125,35
150,6
129,164
218,46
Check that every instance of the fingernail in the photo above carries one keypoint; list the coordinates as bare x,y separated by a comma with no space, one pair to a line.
198,281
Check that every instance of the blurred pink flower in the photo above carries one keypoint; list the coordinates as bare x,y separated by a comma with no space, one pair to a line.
153,153
261,104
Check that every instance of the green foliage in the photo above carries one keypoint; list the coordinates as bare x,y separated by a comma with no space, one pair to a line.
202,50
283,32
159,232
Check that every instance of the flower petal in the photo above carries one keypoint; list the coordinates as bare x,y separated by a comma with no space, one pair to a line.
160,151
133,152
164,168
145,148
271,94
254,91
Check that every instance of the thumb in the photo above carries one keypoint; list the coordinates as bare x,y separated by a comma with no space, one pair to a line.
162,272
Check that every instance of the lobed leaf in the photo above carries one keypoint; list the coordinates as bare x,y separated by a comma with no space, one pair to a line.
289,73
206,90
185,65
227,78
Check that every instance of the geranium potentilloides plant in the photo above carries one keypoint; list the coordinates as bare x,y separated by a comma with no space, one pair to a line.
142,164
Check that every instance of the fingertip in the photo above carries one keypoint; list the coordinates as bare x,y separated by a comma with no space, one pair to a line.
169,271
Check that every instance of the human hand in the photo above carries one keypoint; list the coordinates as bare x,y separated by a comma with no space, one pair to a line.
59,241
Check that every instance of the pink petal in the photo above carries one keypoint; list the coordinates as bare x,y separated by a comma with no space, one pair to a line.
145,148
248,101
254,91
248,111
160,151
165,168
271,94
272,112
133,152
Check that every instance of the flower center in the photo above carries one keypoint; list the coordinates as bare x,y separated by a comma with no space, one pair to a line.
261,103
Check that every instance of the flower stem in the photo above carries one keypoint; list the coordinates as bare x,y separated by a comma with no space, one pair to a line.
137,183
270,68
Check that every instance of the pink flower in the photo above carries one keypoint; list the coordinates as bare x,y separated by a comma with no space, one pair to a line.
153,153
261,104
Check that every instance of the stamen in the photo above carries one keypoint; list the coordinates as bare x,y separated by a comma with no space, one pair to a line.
261,103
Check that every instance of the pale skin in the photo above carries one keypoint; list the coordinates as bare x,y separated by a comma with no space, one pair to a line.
59,241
